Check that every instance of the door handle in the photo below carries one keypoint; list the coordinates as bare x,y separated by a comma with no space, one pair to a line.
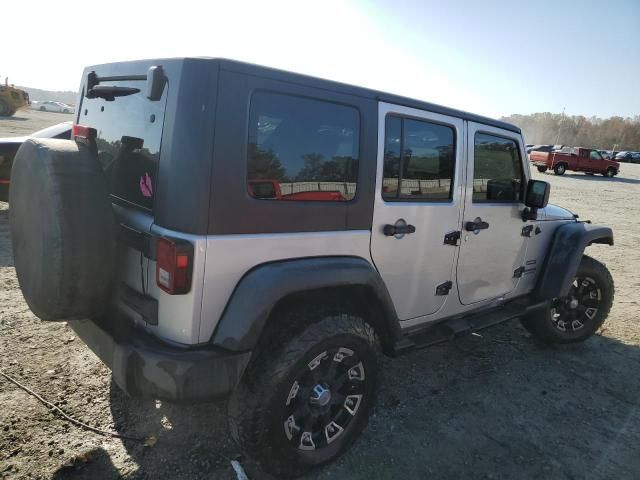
391,230
476,225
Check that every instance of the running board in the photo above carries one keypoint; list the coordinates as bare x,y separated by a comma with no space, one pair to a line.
452,327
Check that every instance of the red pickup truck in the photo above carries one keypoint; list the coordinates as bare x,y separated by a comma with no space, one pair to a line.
577,159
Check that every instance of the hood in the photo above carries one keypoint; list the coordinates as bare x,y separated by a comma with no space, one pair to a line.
554,212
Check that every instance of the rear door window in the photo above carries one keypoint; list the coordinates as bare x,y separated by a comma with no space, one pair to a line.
419,160
301,149
129,134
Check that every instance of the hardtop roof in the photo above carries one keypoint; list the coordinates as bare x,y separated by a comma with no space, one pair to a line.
320,83
258,70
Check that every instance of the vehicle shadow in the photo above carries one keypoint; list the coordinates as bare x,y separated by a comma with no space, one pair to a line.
600,178
190,441
95,464
497,405
14,118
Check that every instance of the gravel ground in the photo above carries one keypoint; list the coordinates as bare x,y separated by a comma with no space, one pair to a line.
493,406
27,121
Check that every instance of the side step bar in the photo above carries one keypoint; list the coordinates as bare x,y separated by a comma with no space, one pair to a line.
449,328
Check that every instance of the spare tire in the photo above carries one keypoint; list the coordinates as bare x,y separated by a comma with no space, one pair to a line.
62,229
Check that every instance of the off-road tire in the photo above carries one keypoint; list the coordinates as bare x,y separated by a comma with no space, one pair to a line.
63,230
560,168
610,173
542,169
541,323
258,406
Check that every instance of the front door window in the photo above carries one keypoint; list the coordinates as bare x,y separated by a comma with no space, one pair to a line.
497,170
492,247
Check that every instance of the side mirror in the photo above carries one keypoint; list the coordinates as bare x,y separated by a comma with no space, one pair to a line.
537,194
537,197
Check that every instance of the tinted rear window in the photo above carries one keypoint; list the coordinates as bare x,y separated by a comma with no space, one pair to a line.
129,138
302,149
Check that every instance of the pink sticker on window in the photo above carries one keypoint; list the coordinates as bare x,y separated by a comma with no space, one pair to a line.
146,187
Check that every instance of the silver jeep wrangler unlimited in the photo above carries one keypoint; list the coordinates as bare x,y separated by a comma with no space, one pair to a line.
217,229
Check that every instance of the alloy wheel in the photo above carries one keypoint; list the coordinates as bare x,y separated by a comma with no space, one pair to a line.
580,306
325,399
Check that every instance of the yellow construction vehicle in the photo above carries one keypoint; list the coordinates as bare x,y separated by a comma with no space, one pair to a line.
11,99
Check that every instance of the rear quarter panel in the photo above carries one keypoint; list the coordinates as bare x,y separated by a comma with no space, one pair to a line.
229,257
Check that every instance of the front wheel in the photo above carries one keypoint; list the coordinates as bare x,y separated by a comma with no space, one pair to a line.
304,400
542,169
609,173
560,169
581,313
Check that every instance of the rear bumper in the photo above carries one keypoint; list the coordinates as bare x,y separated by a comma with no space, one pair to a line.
144,367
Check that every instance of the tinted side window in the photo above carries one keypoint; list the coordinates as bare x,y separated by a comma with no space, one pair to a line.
418,160
497,169
302,149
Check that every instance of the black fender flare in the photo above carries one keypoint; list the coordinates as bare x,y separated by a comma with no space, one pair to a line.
261,288
564,255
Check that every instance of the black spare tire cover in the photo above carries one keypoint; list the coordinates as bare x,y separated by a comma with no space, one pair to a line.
62,229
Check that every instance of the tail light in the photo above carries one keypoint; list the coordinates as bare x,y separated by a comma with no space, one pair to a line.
174,265
83,132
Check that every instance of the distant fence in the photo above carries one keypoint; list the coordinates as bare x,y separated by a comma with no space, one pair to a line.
347,189
409,187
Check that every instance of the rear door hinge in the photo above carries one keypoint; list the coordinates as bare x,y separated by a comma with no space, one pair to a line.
452,238
444,288
526,230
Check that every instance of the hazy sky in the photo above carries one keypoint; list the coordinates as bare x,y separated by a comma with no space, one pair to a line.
490,57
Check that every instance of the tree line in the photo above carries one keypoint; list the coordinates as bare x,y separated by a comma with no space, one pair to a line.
553,128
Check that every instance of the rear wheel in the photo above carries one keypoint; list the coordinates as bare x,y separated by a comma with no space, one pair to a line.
582,312
304,403
609,173
542,169
560,168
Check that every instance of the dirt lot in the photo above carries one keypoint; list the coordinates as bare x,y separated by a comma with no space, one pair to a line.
28,121
495,406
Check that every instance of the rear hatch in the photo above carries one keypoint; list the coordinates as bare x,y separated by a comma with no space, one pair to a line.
121,116
150,123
